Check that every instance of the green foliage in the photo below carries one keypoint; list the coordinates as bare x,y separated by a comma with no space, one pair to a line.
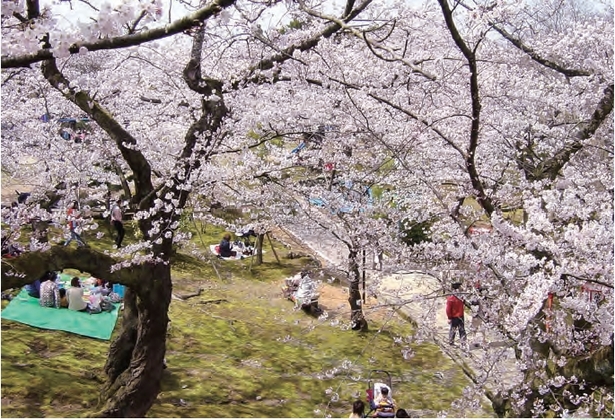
296,24
414,233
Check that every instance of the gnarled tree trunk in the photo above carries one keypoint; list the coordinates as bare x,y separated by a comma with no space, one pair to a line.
135,364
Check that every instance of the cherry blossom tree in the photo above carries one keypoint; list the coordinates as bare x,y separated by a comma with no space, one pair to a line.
489,112
453,111
494,112
112,72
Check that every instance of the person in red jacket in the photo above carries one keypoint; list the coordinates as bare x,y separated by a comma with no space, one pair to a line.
454,312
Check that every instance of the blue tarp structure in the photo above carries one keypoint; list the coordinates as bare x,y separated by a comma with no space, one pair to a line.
299,148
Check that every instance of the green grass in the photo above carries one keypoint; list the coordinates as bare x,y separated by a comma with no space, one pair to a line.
250,355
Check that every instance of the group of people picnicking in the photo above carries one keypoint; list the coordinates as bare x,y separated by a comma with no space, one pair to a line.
227,248
51,293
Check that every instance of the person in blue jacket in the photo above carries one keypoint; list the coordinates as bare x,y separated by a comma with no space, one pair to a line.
34,289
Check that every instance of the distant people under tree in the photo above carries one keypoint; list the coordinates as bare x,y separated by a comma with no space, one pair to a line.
118,224
226,247
72,215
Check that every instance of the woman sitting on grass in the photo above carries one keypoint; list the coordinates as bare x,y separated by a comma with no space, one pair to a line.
225,247
74,295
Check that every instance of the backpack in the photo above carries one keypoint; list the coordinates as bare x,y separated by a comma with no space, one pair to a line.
94,310
106,306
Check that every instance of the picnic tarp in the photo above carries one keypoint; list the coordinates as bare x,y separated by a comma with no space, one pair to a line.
27,310
214,250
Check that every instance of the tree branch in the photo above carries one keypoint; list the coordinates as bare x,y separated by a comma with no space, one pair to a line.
180,25
550,168
30,266
138,163
481,197
422,121
536,57
304,45
342,23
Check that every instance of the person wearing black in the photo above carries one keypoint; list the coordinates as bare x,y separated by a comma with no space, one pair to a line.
225,247
116,221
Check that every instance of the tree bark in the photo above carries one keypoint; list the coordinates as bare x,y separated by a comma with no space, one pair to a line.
136,357
359,323
120,351
260,240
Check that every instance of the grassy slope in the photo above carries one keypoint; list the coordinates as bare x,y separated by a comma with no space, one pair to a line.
249,355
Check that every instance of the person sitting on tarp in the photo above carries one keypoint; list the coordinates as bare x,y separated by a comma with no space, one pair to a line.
34,289
226,248
74,295
100,287
50,292
63,298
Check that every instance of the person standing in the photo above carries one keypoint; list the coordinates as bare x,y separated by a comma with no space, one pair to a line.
116,221
479,315
454,313
72,214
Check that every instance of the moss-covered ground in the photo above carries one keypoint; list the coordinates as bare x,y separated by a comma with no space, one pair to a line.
239,349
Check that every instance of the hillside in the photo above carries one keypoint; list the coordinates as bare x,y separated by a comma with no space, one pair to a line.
238,350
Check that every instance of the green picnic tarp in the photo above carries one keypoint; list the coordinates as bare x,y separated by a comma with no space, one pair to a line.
27,310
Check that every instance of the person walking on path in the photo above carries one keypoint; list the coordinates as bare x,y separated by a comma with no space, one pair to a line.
116,221
454,313
72,214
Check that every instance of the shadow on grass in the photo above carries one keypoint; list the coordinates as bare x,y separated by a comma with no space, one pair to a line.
250,355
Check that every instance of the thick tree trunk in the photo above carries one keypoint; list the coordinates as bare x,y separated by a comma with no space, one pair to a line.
135,362
123,345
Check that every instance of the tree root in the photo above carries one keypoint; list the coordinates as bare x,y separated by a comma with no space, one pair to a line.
216,301
189,295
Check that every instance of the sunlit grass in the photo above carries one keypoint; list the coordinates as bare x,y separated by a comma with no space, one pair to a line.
237,350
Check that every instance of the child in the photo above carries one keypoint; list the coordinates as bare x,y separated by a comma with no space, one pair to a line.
384,403
63,299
